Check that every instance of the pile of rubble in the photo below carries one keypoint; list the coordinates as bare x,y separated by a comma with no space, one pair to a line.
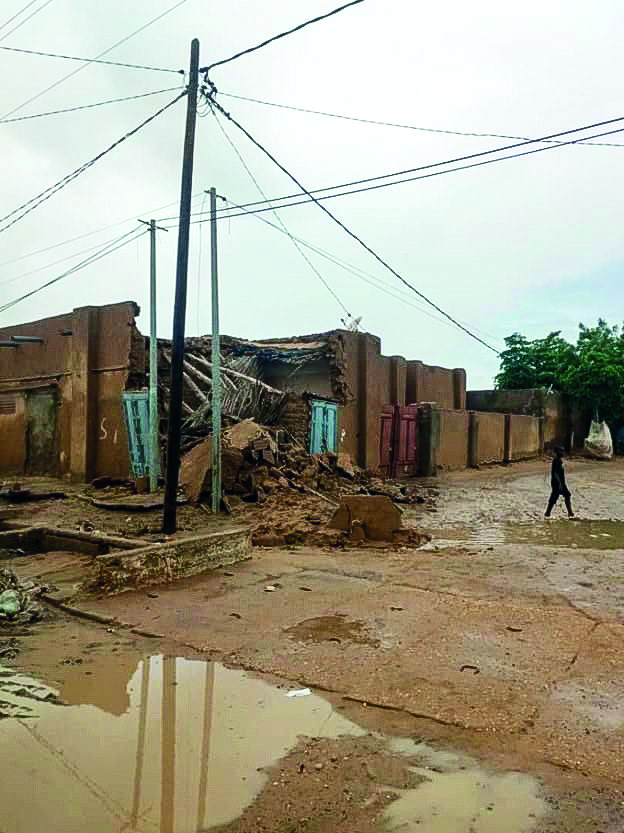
258,462
299,493
17,600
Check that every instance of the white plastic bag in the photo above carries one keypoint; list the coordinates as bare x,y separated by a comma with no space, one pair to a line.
599,444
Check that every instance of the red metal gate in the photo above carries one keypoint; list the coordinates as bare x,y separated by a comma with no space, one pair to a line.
398,452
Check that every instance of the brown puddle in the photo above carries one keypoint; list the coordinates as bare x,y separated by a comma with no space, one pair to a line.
556,532
192,750
333,628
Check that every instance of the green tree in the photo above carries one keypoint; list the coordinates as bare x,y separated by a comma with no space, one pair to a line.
592,370
534,364
597,377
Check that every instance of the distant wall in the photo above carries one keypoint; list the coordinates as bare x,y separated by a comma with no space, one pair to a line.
525,440
452,439
552,407
427,383
489,442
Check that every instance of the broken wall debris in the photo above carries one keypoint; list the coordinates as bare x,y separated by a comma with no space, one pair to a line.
17,600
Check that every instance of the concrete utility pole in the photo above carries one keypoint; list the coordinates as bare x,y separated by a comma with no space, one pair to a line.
216,359
179,311
154,421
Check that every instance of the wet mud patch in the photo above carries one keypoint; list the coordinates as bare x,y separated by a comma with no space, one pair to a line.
328,786
575,533
333,628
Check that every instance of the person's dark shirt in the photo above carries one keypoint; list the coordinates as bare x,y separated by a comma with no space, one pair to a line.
557,478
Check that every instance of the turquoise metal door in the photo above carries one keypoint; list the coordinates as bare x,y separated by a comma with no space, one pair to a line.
136,413
323,427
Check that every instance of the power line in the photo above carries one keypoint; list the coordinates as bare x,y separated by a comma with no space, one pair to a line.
281,35
455,159
106,250
352,234
56,262
17,14
36,201
362,274
25,20
89,106
89,233
296,202
97,57
399,125
90,60
282,224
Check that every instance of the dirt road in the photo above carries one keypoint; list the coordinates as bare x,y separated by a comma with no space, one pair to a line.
488,665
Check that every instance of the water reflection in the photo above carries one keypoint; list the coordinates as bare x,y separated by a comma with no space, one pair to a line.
183,757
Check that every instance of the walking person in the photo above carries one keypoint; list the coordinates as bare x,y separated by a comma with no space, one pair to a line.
559,487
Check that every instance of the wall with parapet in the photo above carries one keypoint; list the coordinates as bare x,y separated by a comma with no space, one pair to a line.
536,402
525,440
83,364
427,383
450,439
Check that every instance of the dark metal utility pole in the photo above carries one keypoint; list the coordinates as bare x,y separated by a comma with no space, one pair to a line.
179,310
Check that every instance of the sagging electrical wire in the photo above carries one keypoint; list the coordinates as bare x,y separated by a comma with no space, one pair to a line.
361,274
71,74
40,198
352,234
405,126
293,240
108,249
210,91
281,35
90,106
90,60
25,20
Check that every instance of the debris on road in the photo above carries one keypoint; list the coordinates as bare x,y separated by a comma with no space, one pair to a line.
9,648
367,516
15,494
17,605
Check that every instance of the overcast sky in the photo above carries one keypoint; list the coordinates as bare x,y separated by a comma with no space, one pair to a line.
529,244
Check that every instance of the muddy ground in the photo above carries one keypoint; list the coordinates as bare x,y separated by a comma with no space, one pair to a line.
497,648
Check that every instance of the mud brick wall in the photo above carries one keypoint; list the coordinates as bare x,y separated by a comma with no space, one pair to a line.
428,383
296,418
370,381
452,440
487,438
163,563
82,366
552,407
525,438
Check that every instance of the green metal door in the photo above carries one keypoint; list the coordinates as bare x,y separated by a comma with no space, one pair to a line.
323,427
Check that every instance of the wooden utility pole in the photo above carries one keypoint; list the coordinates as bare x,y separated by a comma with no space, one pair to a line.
179,311
216,359
154,420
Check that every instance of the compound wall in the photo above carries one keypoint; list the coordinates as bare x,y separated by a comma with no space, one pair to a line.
78,369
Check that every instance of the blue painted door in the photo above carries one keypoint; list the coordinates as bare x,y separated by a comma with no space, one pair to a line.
136,413
323,428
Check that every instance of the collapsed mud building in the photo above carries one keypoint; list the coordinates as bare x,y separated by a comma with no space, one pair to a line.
73,399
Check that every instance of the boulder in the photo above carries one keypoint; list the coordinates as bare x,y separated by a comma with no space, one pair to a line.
376,514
